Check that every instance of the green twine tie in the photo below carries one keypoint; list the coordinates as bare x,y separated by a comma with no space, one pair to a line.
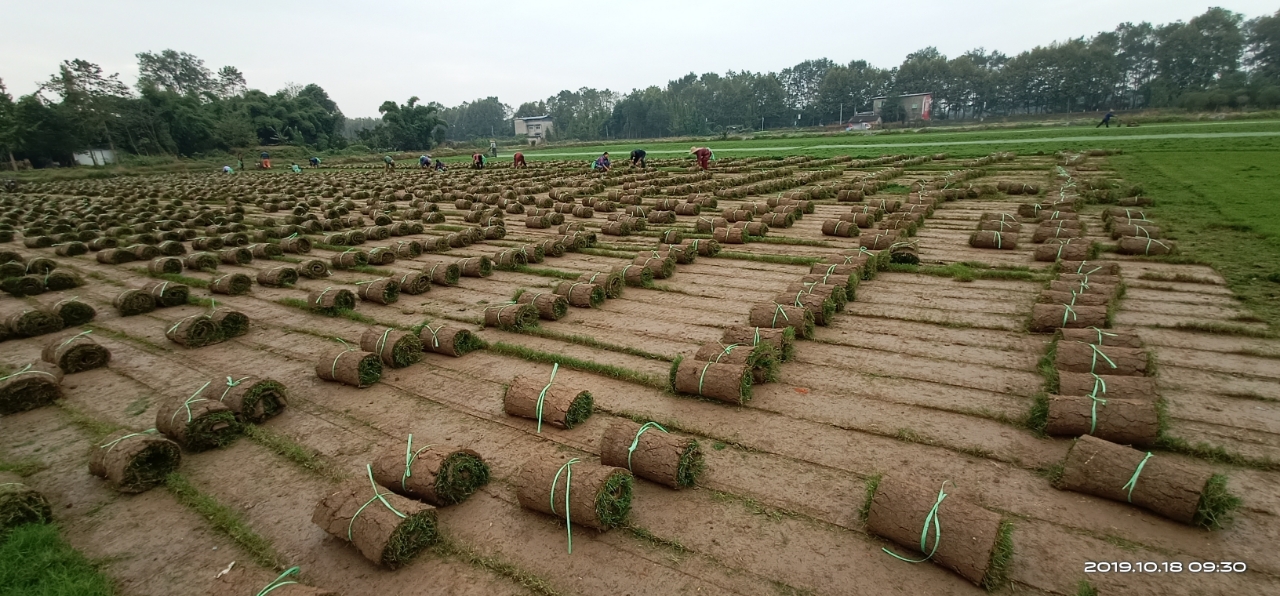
542,397
1102,333
186,405
636,441
776,311
231,383
377,496
756,340
567,470
409,456
333,370
702,377
435,340
382,343
279,581
931,518
1093,410
1133,482
112,445
1098,352
74,337
1068,311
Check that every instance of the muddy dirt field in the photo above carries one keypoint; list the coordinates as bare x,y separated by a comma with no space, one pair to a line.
927,382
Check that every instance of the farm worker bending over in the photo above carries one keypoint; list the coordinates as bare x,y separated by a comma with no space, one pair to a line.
518,160
266,160
704,156
226,169
424,161
314,161
602,162
477,161
388,163
1107,119
295,168
637,157
440,165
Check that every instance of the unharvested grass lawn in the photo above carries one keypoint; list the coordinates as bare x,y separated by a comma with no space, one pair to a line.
1222,208
36,561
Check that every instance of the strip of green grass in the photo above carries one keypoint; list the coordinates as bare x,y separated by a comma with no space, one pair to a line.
591,342
608,370
223,519
545,272
36,561
766,258
287,448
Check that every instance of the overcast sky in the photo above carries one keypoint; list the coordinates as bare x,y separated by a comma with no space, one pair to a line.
364,53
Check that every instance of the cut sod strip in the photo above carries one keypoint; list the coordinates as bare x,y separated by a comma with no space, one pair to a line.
199,422
75,353
1107,386
253,399
30,387
21,504
450,340
583,493
761,358
650,452
1080,357
396,349
545,402
933,523
1124,421
386,528
430,473
1158,483
134,462
730,383
1047,318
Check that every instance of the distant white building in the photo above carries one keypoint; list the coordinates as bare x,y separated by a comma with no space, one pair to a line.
95,157
535,128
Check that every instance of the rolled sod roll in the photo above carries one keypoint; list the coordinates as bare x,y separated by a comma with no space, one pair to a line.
661,268
195,331
114,256
778,316
670,237
142,252
331,299
782,340
1080,287
1123,212
134,302
730,235
102,243
993,239
231,284
450,340
201,261
235,256
581,294
552,248
253,399
953,531
1046,318
598,496
832,291
296,244
1136,230
612,282
1122,421
1157,483
413,283
762,358
73,312
704,247
21,505
562,406
1084,299
349,259
1108,386
551,307
730,383
437,475
445,274
879,241
407,249
167,293
1131,245
76,353
278,277
197,423
823,308
31,322
1085,267
313,269
1047,231
207,243
997,225
231,323
635,275
683,255
476,267
381,256
350,367
55,281
1080,357
848,281
1102,338
161,265
264,250
511,317
1076,278
648,451
396,348
386,528
508,260
26,285
32,386
379,291
835,227
134,462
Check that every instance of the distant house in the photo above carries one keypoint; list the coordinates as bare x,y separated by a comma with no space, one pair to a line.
916,105
535,128
863,121
95,157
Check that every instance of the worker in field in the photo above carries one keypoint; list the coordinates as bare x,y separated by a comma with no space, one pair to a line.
266,160
440,167
493,147
1107,119
295,168
637,157
477,161
314,161
240,162
227,170
703,154
602,162
424,161
388,164
517,160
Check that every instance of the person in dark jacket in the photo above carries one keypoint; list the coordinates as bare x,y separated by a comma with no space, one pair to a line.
1107,119
637,157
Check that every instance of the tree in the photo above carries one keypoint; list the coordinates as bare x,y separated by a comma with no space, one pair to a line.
482,118
230,83
8,125
406,127
177,72
1264,47
531,108
92,97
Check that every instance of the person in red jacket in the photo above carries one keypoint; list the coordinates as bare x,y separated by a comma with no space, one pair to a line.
519,160
704,157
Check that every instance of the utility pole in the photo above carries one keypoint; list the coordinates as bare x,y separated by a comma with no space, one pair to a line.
842,113
761,126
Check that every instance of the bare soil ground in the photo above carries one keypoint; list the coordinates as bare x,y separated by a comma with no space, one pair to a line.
923,374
